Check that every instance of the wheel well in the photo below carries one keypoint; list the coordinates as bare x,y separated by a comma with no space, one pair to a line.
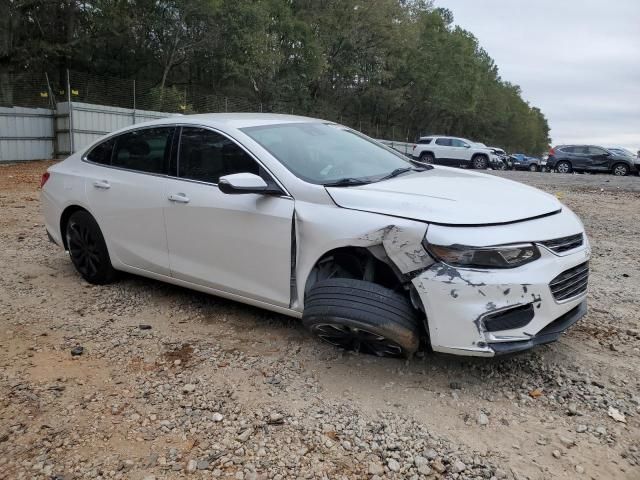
619,163
427,152
64,218
480,155
356,263
360,263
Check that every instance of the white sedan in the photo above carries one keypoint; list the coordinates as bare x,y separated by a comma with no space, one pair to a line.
314,220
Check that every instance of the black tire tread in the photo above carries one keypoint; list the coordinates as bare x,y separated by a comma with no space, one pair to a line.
366,304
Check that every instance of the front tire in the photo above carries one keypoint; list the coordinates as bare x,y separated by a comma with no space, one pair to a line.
620,170
480,162
563,167
88,250
362,316
533,168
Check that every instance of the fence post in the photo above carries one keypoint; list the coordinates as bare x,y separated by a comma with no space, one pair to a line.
226,104
71,143
134,101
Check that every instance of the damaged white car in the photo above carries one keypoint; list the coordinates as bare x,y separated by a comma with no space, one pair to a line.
311,219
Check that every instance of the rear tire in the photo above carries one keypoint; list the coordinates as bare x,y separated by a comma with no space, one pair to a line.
427,158
563,167
480,162
362,316
87,249
620,170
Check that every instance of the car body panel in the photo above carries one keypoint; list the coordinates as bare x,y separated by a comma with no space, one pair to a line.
222,241
449,196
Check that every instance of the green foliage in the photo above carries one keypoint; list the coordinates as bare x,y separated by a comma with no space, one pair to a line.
394,68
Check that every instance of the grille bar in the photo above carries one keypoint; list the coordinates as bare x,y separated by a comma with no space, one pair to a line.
564,244
570,283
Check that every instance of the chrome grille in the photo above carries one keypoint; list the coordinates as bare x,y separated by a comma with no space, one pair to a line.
570,283
564,244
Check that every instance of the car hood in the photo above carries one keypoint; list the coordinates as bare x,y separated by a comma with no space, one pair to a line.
449,196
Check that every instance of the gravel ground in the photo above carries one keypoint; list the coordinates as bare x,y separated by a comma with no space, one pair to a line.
169,383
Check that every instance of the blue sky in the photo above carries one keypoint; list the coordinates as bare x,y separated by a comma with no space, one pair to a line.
577,60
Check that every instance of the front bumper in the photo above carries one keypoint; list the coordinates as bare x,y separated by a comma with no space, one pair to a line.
460,304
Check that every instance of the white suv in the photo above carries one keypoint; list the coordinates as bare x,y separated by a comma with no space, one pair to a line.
453,151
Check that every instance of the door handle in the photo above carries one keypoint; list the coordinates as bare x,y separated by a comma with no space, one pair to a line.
103,184
179,198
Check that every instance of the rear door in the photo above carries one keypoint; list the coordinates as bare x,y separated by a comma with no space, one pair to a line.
443,151
580,157
126,194
599,159
240,244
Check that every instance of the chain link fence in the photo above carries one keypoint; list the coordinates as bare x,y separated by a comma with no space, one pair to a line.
45,90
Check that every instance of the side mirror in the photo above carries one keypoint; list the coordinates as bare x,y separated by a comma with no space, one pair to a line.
242,183
466,145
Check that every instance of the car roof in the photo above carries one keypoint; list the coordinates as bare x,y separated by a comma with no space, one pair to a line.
233,120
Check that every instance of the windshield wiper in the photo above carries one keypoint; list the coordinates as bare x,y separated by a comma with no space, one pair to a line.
395,173
347,182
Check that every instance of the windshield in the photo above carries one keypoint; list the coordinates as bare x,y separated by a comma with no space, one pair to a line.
325,154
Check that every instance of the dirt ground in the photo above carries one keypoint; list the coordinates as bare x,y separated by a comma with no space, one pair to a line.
172,383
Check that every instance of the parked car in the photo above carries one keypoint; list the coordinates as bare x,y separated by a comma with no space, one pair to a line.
307,218
521,161
589,158
452,151
501,160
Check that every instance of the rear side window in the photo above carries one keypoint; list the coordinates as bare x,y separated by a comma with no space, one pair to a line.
102,153
425,141
146,150
445,142
206,156
567,149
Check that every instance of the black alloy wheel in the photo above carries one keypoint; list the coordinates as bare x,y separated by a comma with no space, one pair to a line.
87,248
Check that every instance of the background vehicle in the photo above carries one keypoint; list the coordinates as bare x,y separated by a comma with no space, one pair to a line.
453,151
520,161
589,158
501,160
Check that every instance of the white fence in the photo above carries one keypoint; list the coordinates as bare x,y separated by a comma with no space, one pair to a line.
26,133
40,133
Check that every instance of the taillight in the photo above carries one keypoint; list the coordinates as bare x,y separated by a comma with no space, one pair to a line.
45,177
414,147
552,151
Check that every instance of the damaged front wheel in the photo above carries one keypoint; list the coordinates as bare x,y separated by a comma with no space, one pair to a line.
362,316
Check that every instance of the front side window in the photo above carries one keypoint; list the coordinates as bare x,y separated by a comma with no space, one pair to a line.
444,142
324,153
145,150
206,156
458,143
596,151
102,153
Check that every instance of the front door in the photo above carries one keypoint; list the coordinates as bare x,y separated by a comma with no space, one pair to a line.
239,244
126,194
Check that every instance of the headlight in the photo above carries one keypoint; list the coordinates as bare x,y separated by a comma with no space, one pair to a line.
503,256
